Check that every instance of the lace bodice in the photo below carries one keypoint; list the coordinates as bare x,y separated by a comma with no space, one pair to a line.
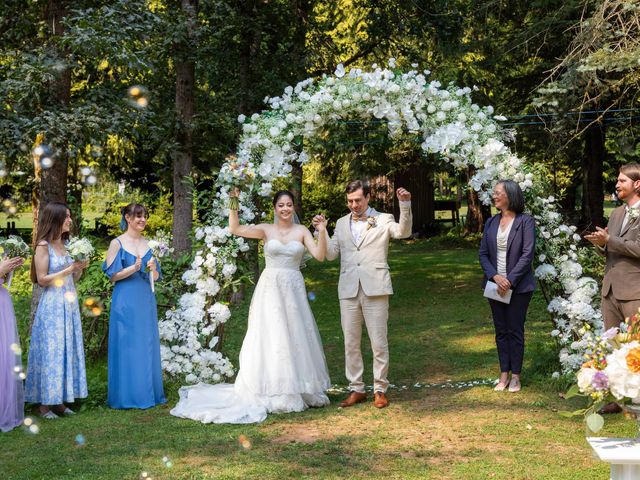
283,255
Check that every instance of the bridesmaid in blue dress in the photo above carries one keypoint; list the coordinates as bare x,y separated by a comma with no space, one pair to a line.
135,372
56,369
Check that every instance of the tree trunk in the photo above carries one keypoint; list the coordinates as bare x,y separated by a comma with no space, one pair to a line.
592,186
183,158
418,179
53,181
477,213
251,37
299,70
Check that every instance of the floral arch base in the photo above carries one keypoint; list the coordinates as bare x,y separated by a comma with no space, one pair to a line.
449,124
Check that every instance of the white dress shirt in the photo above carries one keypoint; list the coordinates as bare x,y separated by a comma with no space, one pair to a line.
502,239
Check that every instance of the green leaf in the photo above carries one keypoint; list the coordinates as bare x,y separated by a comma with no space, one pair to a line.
572,392
595,422
575,413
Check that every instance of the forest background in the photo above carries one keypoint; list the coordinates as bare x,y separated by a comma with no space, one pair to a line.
109,102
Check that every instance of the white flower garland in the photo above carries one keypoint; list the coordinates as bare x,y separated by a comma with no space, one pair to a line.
449,123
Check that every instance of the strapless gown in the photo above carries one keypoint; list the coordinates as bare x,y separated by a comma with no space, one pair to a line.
282,364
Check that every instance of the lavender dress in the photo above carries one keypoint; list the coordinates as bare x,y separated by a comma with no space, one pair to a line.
11,394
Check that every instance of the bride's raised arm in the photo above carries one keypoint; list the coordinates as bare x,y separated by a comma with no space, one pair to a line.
247,231
319,250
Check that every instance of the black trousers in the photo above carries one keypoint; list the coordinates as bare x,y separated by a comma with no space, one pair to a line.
508,320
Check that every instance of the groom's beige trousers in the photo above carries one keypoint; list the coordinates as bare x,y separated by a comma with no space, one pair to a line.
374,312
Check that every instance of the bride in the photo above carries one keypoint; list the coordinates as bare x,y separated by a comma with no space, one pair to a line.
282,365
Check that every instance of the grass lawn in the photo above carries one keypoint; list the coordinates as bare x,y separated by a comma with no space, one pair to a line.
439,424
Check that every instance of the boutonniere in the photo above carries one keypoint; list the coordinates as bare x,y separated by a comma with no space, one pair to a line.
633,213
371,222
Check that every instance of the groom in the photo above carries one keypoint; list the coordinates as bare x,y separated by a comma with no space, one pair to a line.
361,238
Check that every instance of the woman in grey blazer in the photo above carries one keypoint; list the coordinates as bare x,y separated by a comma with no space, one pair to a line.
506,256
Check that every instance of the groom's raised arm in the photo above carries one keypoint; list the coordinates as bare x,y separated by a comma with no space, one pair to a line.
333,244
402,229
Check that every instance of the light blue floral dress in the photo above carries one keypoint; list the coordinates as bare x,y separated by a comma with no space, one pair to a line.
56,369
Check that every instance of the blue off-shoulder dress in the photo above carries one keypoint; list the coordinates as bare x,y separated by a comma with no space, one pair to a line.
135,372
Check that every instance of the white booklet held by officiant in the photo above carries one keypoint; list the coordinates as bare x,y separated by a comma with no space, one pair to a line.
491,291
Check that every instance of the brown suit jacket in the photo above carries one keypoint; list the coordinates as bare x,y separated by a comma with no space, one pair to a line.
622,271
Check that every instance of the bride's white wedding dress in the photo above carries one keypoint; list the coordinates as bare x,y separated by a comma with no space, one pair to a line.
282,365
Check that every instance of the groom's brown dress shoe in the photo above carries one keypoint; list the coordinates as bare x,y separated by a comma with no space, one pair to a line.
353,398
380,400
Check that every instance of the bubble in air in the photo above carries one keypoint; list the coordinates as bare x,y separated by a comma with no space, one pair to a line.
70,296
138,96
46,162
30,425
244,442
9,206
92,307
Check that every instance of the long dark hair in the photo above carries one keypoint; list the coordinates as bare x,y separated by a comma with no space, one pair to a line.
50,225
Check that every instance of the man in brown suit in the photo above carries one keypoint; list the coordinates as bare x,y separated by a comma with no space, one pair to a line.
620,243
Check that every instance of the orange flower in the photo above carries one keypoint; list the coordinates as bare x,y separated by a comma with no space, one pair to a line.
633,360
589,364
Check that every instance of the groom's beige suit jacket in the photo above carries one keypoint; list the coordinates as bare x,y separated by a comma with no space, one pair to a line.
365,263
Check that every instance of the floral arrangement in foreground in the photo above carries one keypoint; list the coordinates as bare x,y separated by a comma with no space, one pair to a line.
611,372
80,249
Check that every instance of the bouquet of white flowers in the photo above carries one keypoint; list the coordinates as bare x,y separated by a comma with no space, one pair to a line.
236,173
80,249
13,246
160,247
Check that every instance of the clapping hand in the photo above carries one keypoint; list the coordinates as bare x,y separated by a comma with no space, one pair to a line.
403,195
10,264
319,222
599,238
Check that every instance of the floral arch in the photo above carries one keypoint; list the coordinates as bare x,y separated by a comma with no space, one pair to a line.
449,124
